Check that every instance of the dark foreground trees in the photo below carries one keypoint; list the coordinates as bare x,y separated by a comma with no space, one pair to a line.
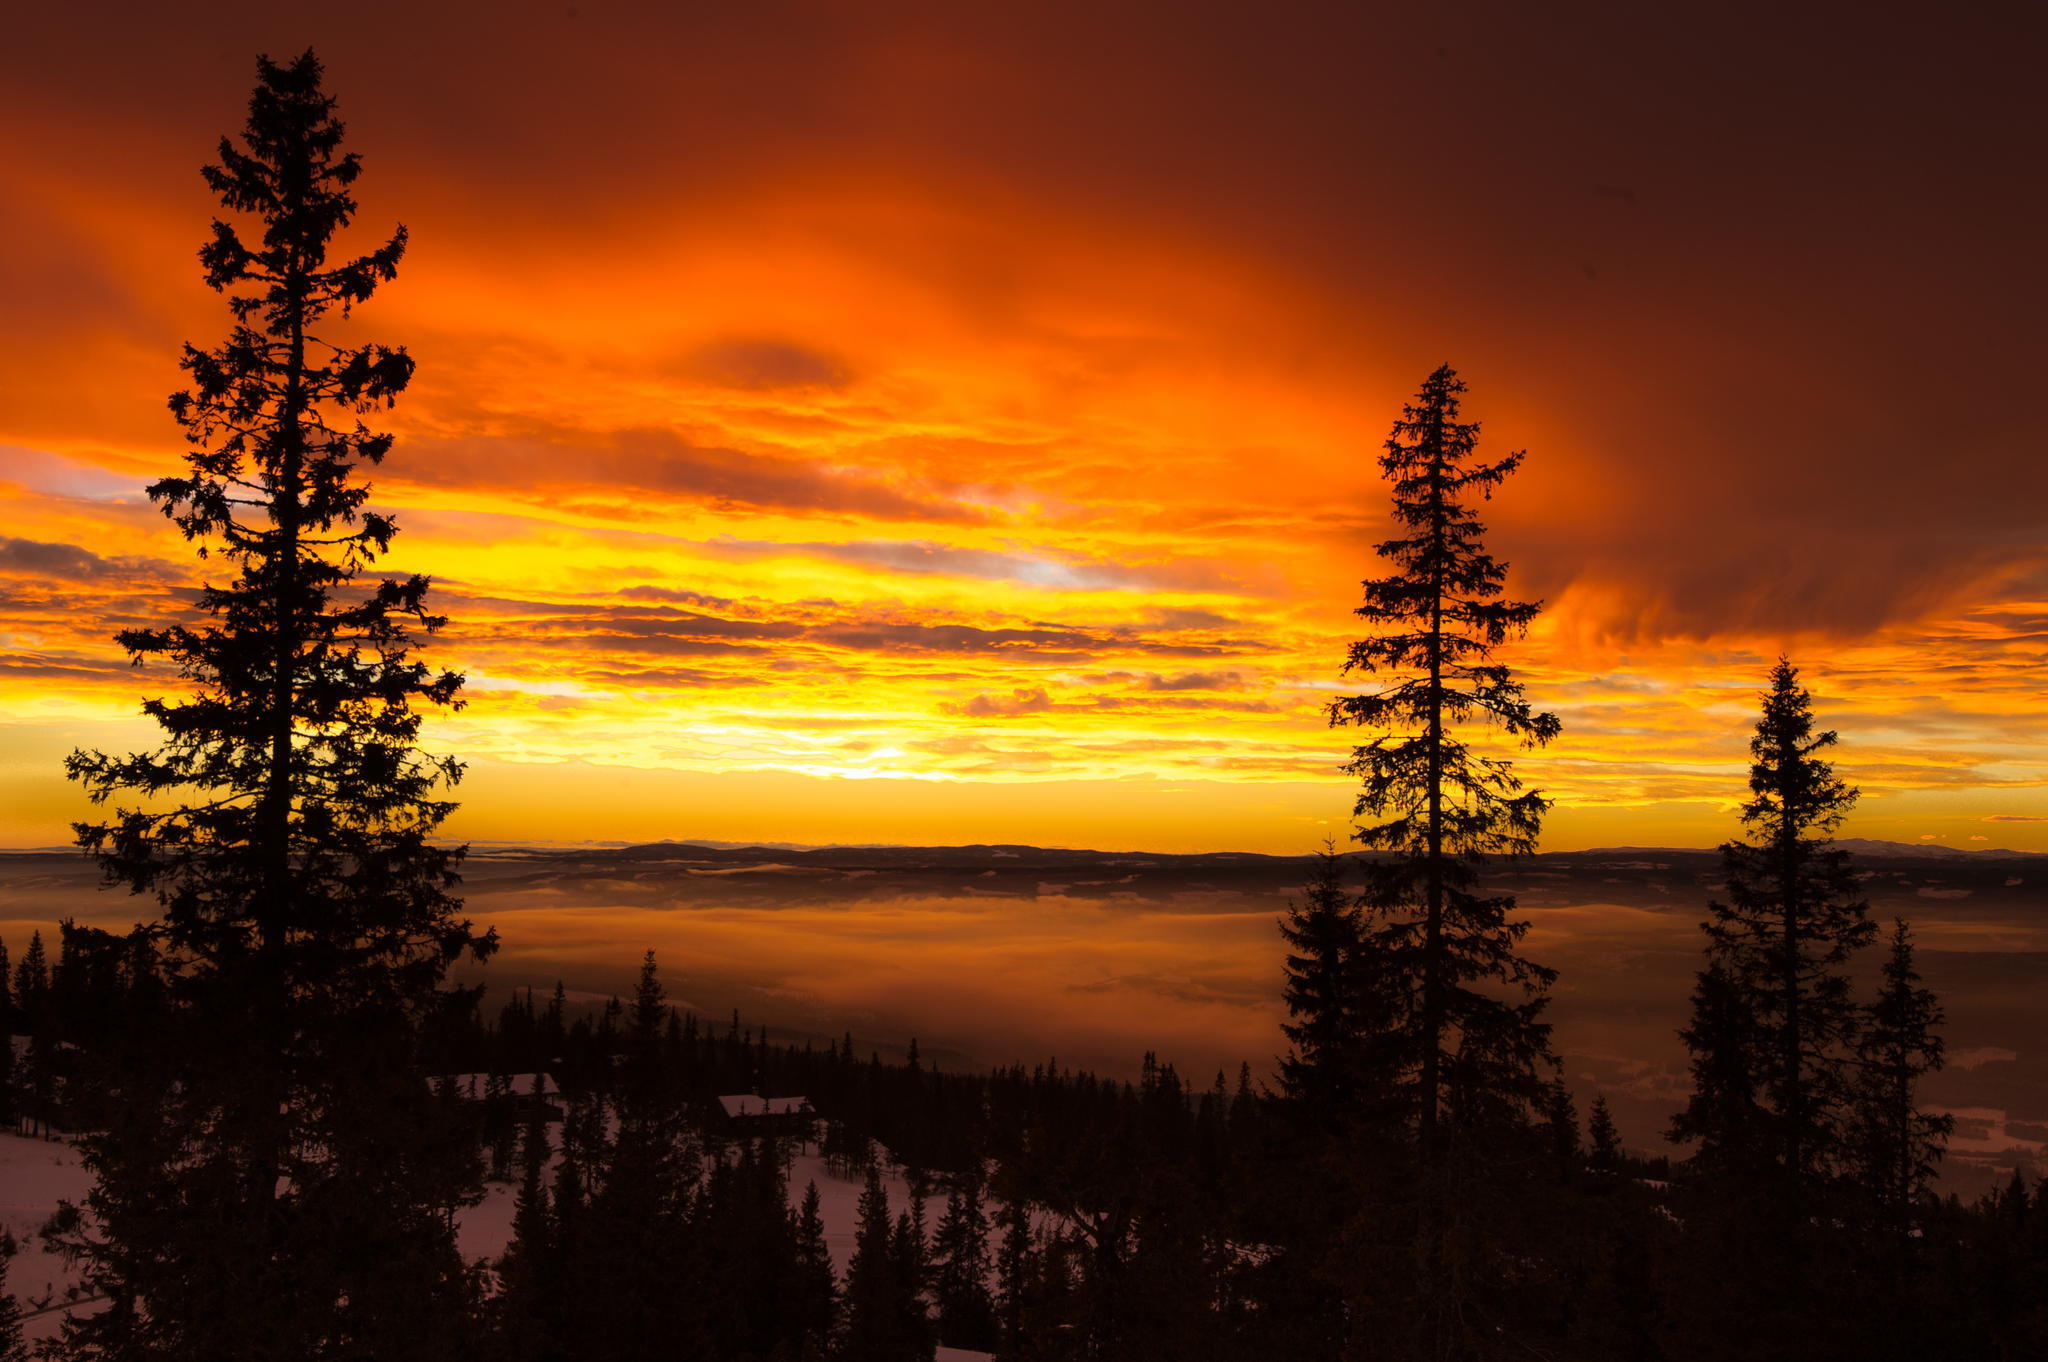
276,1181
1148,1217
1805,1201
272,1184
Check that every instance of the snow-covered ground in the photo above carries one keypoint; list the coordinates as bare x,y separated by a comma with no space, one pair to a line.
35,1174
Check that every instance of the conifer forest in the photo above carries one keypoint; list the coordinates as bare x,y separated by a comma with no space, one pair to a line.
288,1084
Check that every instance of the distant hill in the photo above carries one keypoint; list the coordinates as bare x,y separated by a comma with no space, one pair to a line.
1018,856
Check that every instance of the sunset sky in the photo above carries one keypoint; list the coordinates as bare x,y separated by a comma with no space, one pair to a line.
959,422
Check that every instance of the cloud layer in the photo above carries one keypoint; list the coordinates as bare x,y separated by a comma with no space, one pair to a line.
992,394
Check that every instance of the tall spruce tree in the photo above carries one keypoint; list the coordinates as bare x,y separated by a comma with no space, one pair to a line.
32,975
1603,1141
1465,1071
919,1340
284,1201
529,1299
1897,1146
1469,1004
639,1229
816,1287
960,1270
1013,1272
1774,1026
1723,1114
1337,1009
872,1326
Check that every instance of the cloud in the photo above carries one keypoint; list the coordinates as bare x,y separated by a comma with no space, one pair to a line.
1195,681
1020,701
668,678
2013,818
884,338
1050,568
69,561
1182,618
601,470
765,364
679,597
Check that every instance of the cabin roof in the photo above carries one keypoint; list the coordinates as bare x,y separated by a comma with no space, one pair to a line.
746,1104
477,1087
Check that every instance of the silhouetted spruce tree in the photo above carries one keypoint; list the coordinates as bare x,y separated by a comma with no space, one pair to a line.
32,975
37,1089
281,1204
1897,1146
1603,1141
1013,1271
1774,1026
817,1289
1722,1115
1467,1051
1563,1119
1469,1000
960,1268
529,1303
872,1326
582,1152
10,1100
638,1232
1338,1007
918,1338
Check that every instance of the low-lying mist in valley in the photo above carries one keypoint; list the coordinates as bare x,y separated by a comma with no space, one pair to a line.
989,955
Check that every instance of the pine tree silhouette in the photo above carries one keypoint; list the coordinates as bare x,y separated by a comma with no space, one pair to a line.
960,1269
32,975
286,1200
1013,1272
872,1329
1723,1113
1774,1026
1603,1141
1341,1008
638,1234
1471,1001
1898,1147
10,1022
917,1340
1467,1054
817,1290
529,1305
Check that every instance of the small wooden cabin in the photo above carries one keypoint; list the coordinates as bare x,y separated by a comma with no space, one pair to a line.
749,1113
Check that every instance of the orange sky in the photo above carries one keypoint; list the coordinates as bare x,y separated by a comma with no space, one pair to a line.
958,423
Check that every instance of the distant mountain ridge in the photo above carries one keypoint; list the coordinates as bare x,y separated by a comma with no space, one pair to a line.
1019,856
1857,846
